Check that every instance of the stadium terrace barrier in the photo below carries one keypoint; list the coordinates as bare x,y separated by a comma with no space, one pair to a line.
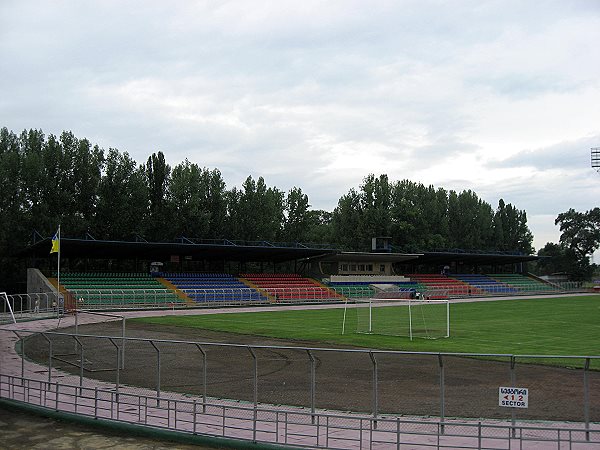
230,392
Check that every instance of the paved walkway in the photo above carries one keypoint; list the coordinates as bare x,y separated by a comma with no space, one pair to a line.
300,430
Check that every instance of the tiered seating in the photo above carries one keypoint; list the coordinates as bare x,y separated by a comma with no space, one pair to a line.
485,283
214,287
284,287
442,283
523,283
117,289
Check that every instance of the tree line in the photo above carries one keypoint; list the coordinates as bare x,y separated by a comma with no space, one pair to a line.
67,180
51,180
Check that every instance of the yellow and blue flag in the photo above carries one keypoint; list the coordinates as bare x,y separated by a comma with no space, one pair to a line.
55,243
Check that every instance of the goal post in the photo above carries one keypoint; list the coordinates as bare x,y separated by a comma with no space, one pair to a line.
412,318
4,296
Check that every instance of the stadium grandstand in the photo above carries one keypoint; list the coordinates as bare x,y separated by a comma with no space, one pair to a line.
198,273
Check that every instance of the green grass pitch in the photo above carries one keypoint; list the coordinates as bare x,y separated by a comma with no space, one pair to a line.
545,326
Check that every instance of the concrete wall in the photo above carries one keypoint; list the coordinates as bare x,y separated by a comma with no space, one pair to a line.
37,283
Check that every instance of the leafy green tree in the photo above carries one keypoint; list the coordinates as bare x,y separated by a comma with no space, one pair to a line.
374,208
580,231
122,198
404,215
470,221
158,173
198,201
60,181
319,226
11,193
439,220
422,218
455,221
216,202
256,211
346,220
558,258
510,229
580,237
84,179
14,230
296,224
187,195
37,214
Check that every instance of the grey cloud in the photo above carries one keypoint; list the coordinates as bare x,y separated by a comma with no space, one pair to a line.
570,155
295,91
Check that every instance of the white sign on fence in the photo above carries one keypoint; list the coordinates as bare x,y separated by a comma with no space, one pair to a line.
513,397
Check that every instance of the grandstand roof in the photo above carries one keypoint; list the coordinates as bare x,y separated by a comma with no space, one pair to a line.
475,258
223,249
370,256
196,249
434,258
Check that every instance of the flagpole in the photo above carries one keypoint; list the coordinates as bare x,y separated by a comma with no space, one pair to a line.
58,271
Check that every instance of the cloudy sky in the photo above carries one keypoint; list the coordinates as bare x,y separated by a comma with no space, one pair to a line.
500,97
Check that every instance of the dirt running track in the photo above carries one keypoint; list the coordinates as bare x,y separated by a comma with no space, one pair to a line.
407,384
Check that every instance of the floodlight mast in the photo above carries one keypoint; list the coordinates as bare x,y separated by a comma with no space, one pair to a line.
596,158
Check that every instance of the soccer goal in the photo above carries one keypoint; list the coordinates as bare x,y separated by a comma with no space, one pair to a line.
413,318
7,306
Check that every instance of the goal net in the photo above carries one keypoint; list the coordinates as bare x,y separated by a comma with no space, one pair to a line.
413,318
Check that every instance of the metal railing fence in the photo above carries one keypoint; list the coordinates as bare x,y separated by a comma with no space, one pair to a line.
30,306
299,428
36,305
376,382
464,290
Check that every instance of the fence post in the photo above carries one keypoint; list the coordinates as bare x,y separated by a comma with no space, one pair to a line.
312,384
157,372
22,355
80,363
375,390
513,383
586,398
203,377
76,326
123,343
442,392
49,357
397,433
56,396
194,416
251,350
117,381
